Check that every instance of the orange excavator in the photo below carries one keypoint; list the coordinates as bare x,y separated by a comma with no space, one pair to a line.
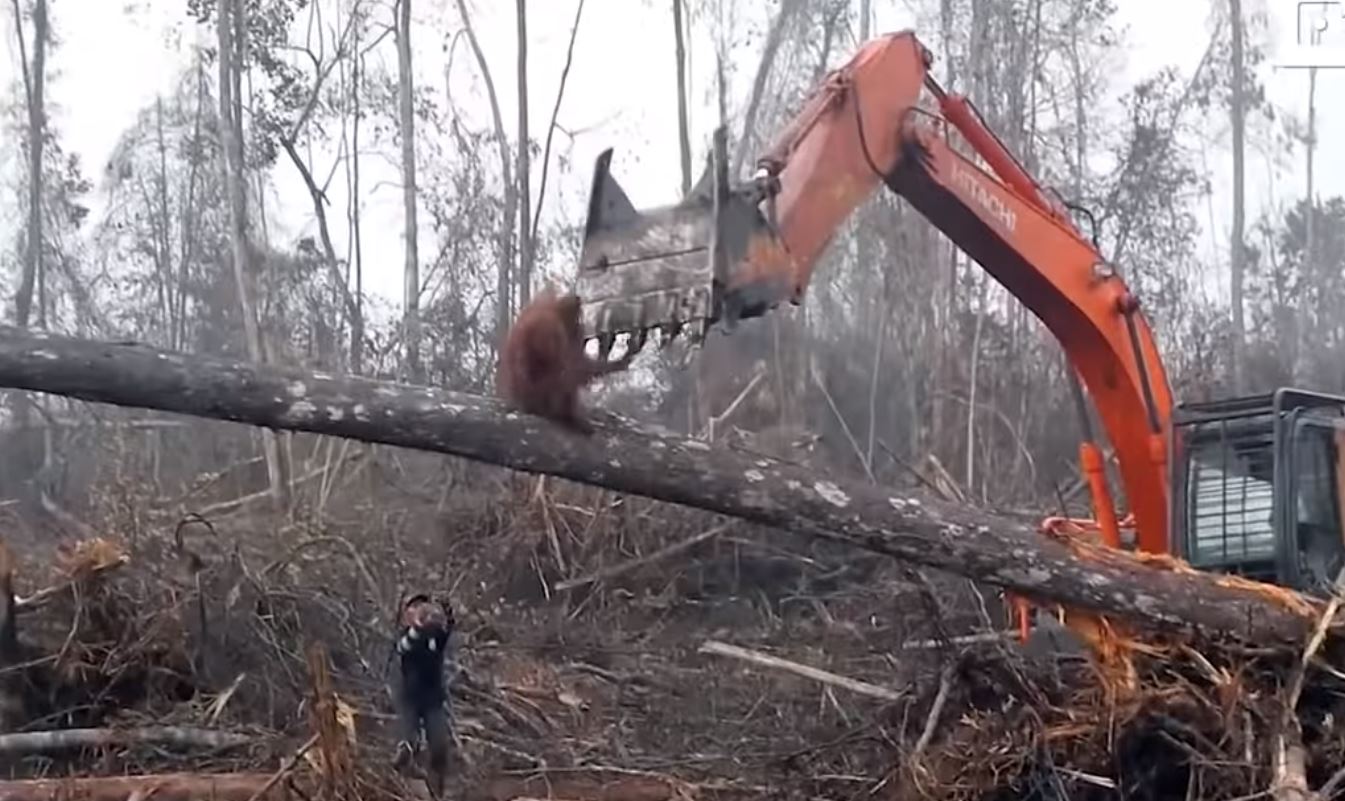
1249,486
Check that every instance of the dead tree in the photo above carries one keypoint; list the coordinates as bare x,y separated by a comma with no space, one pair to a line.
1238,258
661,465
231,27
34,83
407,121
525,243
683,126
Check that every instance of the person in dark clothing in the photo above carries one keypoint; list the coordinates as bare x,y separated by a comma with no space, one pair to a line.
426,628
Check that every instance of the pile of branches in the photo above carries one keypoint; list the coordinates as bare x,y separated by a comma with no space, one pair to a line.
102,643
1221,724
212,618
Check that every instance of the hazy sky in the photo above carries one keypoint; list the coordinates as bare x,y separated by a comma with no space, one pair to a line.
115,57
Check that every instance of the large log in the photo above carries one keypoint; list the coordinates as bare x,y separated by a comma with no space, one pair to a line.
657,464
38,742
160,787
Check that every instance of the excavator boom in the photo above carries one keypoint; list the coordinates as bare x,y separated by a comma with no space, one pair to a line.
732,250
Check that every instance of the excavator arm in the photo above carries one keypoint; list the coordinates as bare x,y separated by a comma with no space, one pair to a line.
735,250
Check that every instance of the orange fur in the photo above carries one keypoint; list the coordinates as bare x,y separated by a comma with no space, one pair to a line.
543,365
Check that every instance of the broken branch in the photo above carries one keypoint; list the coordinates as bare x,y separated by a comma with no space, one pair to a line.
807,672
45,595
631,564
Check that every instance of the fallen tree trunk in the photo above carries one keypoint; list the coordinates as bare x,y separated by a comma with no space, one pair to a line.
657,464
159,786
37,742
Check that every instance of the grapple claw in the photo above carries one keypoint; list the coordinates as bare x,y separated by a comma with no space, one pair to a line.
672,265
668,334
605,342
700,329
637,341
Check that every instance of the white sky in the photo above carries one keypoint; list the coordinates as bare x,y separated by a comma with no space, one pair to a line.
115,57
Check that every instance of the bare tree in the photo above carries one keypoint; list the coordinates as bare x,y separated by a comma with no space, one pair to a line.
774,38
1310,224
356,246
178,334
504,276
944,313
683,126
525,250
231,133
411,274
162,221
34,86
305,108
1238,254
555,113
231,29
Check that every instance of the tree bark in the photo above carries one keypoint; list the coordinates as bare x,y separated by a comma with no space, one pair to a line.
658,464
411,269
1238,255
162,787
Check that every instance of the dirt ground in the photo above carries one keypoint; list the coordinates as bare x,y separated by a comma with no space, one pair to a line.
581,669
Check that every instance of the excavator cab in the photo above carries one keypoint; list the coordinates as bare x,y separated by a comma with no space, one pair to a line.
1256,487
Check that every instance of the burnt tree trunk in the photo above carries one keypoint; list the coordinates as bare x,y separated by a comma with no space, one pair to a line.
658,464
